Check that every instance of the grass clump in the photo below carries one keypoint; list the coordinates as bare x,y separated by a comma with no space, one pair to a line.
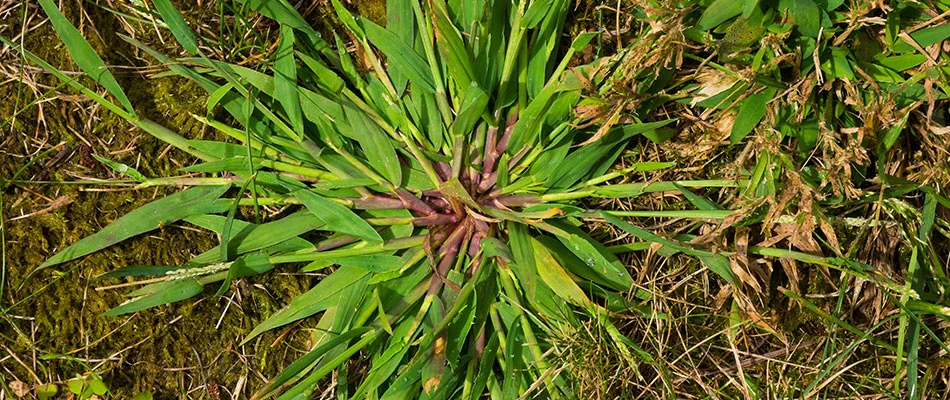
474,189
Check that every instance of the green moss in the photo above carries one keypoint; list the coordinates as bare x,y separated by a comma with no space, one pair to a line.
58,310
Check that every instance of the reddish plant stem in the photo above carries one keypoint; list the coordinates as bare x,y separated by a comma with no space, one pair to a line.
373,202
436,219
517,200
444,170
413,203
439,203
488,167
489,161
448,251
475,246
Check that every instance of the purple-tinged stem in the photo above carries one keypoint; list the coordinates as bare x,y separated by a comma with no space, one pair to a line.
436,219
444,170
487,182
490,157
373,202
333,243
449,251
514,160
517,200
413,203
439,203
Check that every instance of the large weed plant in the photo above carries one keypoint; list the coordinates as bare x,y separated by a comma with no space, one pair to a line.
443,179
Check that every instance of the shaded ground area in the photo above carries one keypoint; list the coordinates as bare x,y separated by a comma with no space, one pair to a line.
52,329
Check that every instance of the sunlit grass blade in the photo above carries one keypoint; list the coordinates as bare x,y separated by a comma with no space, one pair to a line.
324,295
198,200
177,25
160,293
83,54
337,217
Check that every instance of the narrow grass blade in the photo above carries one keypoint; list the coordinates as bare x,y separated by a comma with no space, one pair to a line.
285,79
177,25
198,200
716,262
307,361
322,296
552,274
338,218
400,56
163,293
83,54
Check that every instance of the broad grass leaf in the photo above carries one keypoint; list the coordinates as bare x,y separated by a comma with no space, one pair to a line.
514,348
337,217
305,387
470,112
523,254
326,78
595,257
805,14
197,200
322,296
400,55
536,13
401,22
924,37
542,45
456,55
698,201
718,12
161,293
385,364
282,12
285,79
552,274
256,237
567,258
751,111
177,25
377,147
485,370
378,263
83,54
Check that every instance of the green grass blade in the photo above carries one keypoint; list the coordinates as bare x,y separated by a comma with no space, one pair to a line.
552,274
322,296
177,25
254,237
456,55
307,361
198,200
400,56
338,218
83,54
716,262
718,12
161,293
750,113
285,79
